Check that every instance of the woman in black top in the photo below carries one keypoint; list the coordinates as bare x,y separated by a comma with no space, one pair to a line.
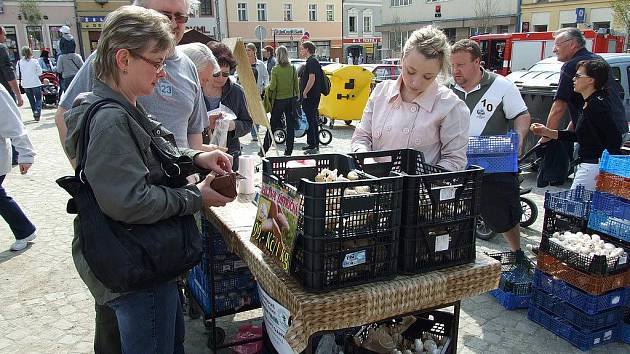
595,130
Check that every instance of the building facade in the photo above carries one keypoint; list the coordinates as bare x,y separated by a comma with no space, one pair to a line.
210,19
360,38
39,30
457,18
552,15
288,22
89,20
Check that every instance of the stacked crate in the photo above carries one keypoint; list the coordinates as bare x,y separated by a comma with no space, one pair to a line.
515,284
495,154
221,283
581,299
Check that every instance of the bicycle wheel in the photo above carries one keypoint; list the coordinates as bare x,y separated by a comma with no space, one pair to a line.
530,212
482,230
325,136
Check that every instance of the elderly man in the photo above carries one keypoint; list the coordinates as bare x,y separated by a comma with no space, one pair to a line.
493,102
177,103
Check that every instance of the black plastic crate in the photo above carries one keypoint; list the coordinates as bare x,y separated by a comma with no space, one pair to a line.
439,324
558,222
292,169
386,161
598,265
437,246
517,272
322,264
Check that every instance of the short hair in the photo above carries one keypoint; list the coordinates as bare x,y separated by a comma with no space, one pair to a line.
269,49
282,55
223,54
26,52
469,46
252,47
432,43
596,69
200,55
572,33
310,46
191,5
135,29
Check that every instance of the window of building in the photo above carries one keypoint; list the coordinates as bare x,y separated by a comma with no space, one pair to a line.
352,24
35,37
476,30
503,29
395,3
322,49
312,12
565,25
205,7
451,34
261,9
367,24
55,36
600,25
540,28
242,11
288,12
397,41
330,12
12,43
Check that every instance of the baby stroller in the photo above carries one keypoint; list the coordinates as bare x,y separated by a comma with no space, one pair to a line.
324,136
50,89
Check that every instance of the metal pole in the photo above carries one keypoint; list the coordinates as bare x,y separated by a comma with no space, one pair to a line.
519,3
218,17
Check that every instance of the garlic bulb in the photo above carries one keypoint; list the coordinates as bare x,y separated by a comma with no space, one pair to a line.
587,245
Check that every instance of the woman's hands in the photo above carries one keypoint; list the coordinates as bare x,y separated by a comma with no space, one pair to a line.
210,197
216,161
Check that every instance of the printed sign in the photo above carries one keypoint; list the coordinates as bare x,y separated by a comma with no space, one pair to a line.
276,319
580,15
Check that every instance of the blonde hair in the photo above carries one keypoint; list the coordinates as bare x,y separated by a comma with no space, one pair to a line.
282,55
26,52
432,43
135,29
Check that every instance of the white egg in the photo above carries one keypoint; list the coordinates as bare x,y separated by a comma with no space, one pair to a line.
609,246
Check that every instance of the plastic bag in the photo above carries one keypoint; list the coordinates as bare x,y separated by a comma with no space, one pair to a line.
245,332
220,131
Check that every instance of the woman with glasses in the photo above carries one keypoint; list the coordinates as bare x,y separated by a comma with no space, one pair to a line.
221,90
596,130
125,173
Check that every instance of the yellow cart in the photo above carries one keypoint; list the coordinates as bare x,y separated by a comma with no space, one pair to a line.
349,92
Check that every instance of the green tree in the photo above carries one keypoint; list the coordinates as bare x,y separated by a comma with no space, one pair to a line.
621,8
31,12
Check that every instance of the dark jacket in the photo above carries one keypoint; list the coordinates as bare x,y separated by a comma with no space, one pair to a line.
127,181
233,97
6,68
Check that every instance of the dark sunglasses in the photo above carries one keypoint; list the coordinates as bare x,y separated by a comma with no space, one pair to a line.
221,73
578,75
179,18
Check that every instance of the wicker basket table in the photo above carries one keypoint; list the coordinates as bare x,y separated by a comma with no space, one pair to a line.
353,306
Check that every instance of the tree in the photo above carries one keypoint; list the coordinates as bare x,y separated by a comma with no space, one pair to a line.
31,11
621,9
486,11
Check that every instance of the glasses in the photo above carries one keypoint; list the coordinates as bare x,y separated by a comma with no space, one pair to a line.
578,76
158,65
564,41
179,18
221,73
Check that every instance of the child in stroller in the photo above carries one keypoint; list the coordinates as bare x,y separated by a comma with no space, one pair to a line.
50,89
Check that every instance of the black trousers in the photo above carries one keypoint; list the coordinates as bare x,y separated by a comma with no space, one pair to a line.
288,107
106,335
310,105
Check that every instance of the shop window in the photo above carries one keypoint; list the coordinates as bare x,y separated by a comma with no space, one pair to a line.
540,28
55,36
601,25
35,37
12,42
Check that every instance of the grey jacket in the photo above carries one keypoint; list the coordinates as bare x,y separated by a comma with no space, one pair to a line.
127,181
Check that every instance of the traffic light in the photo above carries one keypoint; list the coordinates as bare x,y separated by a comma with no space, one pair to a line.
438,11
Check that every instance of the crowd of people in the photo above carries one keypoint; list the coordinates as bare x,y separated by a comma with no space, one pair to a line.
166,94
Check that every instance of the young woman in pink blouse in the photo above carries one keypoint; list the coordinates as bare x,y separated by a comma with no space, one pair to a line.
415,111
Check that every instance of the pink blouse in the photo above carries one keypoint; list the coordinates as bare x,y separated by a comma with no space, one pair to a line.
436,123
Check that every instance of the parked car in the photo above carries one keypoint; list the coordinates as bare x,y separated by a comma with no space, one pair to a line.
391,61
539,84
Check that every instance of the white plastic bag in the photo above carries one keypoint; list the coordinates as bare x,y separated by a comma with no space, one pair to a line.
219,134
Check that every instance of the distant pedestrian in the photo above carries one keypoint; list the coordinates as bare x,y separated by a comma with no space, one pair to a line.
270,58
360,61
260,74
67,44
29,71
350,60
311,84
11,127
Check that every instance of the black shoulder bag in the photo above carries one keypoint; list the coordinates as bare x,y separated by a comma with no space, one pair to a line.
127,257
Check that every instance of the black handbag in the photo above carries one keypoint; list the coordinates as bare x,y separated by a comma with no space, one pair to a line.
22,90
128,257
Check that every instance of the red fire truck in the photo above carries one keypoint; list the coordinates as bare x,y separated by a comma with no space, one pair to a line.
504,53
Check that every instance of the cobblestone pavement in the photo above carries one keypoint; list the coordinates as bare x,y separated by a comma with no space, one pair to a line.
45,307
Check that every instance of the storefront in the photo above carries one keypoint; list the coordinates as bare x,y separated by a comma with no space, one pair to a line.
367,48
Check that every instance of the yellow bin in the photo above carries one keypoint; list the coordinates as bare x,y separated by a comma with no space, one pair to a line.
349,92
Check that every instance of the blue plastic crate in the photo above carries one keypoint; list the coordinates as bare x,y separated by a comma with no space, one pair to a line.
625,333
577,318
574,202
211,236
511,301
591,304
615,164
611,205
223,264
582,340
610,226
232,300
494,153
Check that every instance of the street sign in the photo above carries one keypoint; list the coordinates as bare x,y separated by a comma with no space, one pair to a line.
260,32
580,15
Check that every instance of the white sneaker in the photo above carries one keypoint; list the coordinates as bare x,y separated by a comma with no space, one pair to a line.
19,245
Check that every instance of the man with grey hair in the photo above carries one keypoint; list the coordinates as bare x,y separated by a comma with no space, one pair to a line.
569,48
177,103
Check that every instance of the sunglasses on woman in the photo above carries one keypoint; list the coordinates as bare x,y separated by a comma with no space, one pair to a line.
221,73
578,75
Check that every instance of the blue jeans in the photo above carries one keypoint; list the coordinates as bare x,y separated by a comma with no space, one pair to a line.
34,95
14,216
150,320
